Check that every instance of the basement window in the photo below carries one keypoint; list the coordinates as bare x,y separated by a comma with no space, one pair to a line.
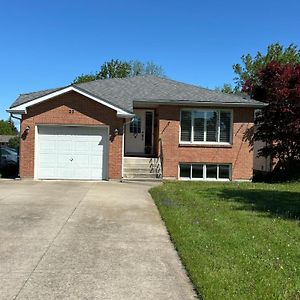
199,171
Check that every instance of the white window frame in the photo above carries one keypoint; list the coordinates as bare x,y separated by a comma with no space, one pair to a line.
204,172
192,142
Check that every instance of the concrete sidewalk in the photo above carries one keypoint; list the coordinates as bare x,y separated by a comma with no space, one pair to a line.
85,240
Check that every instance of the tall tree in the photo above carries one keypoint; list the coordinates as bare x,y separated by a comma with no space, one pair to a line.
228,89
278,124
149,68
84,78
121,69
14,142
114,69
274,78
251,66
7,127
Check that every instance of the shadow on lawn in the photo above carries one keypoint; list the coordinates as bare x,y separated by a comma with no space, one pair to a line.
277,203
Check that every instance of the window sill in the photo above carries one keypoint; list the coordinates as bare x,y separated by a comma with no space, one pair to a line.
204,145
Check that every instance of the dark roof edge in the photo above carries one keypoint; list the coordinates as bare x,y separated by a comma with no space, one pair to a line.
255,104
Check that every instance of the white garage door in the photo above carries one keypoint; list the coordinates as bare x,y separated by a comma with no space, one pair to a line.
71,152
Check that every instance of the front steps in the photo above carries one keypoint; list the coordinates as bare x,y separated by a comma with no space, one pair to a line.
142,168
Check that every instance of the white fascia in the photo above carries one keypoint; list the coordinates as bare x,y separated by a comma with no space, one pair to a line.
22,109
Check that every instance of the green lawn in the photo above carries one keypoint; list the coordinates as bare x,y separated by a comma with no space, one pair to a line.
236,240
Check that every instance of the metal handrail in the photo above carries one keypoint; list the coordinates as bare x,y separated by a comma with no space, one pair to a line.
161,156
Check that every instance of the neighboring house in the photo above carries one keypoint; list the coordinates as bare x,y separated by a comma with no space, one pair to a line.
110,129
4,139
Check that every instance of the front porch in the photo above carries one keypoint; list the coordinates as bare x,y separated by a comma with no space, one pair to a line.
141,134
141,159
142,168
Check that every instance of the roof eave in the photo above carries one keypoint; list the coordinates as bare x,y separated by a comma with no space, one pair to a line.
16,111
22,108
197,103
125,116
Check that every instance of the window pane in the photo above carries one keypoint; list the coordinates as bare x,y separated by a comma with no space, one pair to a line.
185,171
197,171
225,123
224,171
135,125
186,126
211,126
199,126
211,171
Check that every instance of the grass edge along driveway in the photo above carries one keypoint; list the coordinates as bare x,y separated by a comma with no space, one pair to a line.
236,240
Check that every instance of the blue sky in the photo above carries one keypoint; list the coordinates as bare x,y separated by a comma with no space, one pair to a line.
46,44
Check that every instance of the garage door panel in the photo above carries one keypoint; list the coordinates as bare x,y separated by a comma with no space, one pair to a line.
68,152
64,159
50,173
95,161
82,146
81,161
94,173
64,145
48,160
83,174
46,146
65,173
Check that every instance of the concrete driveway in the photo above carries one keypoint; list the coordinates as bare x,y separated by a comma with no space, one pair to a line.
85,240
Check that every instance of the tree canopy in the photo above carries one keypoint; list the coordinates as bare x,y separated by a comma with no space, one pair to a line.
114,69
274,78
279,122
228,89
84,78
7,127
251,66
121,69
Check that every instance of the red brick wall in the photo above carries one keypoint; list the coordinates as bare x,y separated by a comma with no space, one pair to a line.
86,112
239,154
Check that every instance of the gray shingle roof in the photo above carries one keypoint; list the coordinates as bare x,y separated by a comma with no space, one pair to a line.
122,92
24,98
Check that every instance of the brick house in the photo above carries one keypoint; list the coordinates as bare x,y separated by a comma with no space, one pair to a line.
139,127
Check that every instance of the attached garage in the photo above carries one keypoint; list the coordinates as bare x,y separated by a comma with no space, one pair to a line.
71,152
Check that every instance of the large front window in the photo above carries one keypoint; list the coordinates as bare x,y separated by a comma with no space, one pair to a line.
205,126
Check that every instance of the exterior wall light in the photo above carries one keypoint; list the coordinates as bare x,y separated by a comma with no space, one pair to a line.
116,131
25,133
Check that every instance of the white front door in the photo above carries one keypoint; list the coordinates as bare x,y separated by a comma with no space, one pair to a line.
139,133
71,152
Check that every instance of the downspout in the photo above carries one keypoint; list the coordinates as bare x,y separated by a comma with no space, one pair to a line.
14,117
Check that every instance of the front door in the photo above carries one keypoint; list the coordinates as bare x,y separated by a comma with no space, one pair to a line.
139,133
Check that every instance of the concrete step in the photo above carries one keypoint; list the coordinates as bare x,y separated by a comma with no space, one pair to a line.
139,165
132,180
140,170
140,160
141,175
